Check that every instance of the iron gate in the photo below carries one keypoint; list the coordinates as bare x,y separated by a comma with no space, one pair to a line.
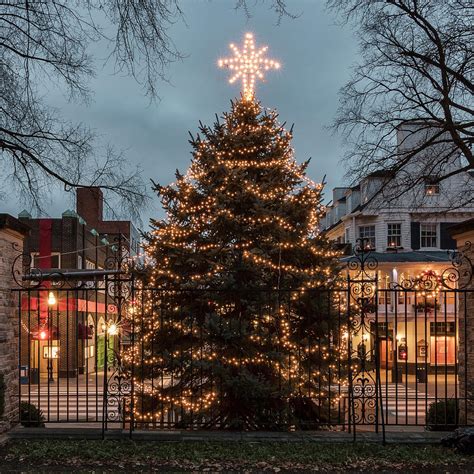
83,357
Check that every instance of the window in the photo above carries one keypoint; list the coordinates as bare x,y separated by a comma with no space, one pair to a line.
442,328
347,236
443,342
384,328
363,190
385,293
367,234
46,261
431,186
429,235
394,235
89,352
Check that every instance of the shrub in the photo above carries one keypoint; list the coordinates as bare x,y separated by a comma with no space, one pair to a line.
462,440
442,415
31,416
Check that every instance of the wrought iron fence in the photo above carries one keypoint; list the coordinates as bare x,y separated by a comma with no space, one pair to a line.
113,353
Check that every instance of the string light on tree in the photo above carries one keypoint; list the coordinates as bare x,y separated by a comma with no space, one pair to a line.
244,216
248,64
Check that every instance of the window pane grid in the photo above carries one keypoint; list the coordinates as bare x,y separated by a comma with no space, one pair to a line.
428,233
367,233
394,235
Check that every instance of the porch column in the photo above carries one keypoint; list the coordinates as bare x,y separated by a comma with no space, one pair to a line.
12,233
464,235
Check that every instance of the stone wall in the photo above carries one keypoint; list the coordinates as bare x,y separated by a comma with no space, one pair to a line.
464,235
11,245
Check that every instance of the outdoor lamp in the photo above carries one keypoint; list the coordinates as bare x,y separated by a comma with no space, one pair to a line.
51,299
112,329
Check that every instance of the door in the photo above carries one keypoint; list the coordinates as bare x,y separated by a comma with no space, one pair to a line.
385,354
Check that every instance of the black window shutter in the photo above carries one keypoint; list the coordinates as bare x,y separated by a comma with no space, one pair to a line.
446,241
415,235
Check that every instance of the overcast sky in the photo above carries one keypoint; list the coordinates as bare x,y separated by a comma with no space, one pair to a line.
316,56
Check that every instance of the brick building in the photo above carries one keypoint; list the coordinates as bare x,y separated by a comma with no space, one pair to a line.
12,233
64,325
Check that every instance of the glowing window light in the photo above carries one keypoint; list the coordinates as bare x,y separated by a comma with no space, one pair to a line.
248,65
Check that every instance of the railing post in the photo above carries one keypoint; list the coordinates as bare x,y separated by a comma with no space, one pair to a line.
12,233
378,385
464,235
351,408
106,356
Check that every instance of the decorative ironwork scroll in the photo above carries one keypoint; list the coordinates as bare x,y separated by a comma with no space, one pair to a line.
364,377
457,276
111,289
118,294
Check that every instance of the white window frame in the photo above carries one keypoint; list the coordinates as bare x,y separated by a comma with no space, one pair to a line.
90,265
396,236
436,236
53,254
371,238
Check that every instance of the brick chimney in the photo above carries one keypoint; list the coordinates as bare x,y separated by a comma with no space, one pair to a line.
90,205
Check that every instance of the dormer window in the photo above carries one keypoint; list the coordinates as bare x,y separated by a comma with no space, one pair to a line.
431,186
363,190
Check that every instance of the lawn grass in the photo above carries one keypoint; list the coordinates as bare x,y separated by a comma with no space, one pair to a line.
228,456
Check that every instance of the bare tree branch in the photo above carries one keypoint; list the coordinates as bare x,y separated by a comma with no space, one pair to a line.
415,79
49,40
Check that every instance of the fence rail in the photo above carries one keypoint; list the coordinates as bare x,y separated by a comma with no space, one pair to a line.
105,350
169,359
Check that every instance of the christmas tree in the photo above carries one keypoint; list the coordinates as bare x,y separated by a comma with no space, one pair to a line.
237,330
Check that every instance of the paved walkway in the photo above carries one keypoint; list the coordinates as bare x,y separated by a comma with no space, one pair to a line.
404,405
76,432
81,399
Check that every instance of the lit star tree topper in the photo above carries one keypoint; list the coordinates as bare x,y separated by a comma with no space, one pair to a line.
248,64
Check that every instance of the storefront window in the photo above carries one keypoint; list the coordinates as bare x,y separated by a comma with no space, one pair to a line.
443,342
443,350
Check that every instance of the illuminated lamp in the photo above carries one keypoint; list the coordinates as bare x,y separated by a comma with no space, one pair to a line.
51,299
